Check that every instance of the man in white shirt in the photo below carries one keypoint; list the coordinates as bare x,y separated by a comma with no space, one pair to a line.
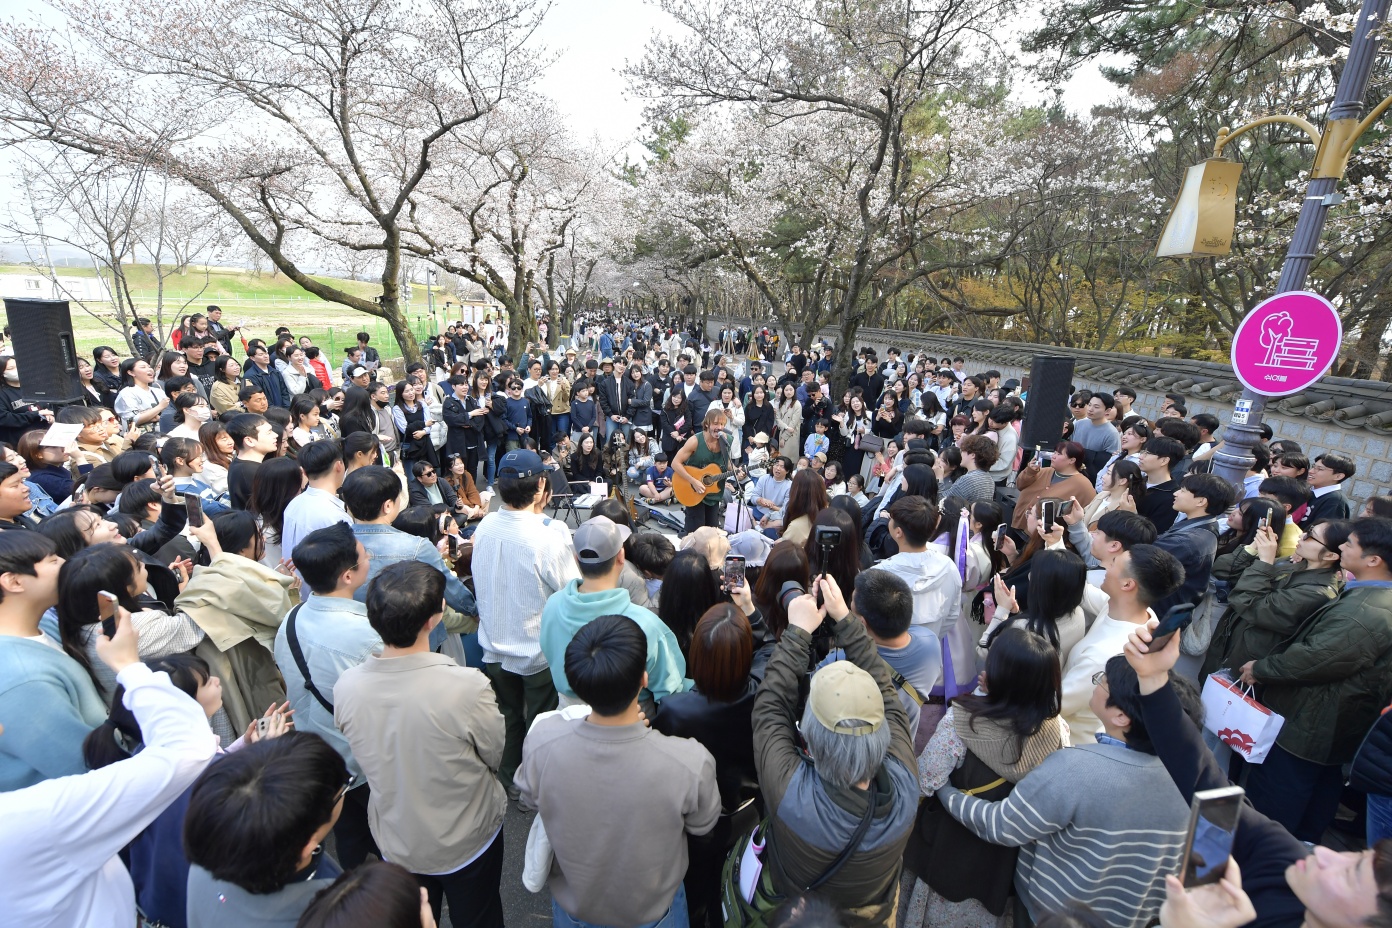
520,558
1135,580
318,506
932,577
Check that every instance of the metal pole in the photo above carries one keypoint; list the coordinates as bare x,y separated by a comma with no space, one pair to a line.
1234,458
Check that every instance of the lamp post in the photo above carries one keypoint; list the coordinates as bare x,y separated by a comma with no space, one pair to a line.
1334,145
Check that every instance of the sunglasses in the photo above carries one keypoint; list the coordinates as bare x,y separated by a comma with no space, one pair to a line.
427,473
1077,405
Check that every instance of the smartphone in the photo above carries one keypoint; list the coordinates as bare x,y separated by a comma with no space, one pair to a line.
1175,619
263,726
453,546
1048,513
106,608
1000,533
1213,817
194,506
1264,522
1065,507
159,468
734,571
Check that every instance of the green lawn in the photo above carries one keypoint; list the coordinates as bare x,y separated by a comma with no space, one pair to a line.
261,303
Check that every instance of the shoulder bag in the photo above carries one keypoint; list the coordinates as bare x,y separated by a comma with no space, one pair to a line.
748,900
298,654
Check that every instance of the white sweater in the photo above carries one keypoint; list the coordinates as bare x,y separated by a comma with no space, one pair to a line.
60,838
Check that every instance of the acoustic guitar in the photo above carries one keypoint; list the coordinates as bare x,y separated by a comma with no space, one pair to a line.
711,475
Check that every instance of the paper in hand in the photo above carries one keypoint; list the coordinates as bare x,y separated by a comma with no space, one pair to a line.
61,435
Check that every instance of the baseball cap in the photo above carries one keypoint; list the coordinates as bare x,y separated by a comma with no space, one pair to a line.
599,539
840,692
357,372
520,464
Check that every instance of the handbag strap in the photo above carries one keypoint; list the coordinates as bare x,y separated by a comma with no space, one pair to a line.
298,654
902,682
850,847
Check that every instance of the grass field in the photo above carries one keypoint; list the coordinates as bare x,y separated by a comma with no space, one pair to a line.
260,302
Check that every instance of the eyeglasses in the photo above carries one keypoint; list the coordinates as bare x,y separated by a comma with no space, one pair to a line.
346,787
1310,535
1100,679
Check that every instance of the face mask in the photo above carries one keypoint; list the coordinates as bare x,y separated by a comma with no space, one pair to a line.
201,413
12,377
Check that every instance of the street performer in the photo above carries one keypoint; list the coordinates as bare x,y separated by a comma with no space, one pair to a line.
701,450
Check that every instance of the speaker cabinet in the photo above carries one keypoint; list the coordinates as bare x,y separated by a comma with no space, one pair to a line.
41,337
1051,380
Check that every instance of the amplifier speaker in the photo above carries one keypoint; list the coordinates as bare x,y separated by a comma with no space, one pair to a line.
41,336
1051,380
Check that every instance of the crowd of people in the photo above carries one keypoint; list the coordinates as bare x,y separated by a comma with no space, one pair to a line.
282,638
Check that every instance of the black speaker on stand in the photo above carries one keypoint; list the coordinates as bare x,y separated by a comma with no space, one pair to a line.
41,338
1051,382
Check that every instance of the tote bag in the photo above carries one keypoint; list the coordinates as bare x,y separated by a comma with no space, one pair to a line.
1239,721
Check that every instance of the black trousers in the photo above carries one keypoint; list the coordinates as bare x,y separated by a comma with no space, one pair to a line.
352,837
697,516
472,891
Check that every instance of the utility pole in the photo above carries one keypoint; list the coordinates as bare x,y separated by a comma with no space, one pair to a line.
1341,131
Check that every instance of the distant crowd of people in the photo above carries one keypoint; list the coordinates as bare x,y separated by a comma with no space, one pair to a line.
282,639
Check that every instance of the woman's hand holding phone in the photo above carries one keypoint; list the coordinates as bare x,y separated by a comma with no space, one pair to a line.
1005,596
122,648
1267,544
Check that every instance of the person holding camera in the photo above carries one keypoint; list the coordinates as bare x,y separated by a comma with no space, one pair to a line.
1056,475
842,810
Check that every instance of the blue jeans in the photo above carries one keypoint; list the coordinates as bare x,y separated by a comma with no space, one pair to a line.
674,918
1379,818
490,460
560,425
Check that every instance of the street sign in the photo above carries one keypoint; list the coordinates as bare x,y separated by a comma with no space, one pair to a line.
1287,343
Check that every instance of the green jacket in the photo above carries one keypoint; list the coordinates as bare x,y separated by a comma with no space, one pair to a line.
1331,678
1266,605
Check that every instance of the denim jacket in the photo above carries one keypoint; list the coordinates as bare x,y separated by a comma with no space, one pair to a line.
386,545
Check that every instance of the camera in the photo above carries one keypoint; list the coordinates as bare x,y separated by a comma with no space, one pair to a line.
826,538
788,592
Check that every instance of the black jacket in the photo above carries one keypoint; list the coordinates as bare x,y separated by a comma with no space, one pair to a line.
17,416
613,395
464,434
418,498
726,729
1329,506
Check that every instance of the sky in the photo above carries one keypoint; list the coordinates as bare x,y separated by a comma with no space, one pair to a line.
592,41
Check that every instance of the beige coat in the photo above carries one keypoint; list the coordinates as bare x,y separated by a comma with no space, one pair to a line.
239,604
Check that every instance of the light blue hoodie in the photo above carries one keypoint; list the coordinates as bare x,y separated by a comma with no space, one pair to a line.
568,609
48,704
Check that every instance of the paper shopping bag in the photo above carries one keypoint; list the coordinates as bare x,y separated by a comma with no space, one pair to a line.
1239,721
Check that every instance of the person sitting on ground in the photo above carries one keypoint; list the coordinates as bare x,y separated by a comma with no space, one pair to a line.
1109,846
605,872
599,553
657,485
421,759
1135,579
255,828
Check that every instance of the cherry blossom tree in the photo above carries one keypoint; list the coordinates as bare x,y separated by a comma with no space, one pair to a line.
309,123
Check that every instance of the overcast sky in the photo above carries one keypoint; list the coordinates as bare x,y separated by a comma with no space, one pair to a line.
592,41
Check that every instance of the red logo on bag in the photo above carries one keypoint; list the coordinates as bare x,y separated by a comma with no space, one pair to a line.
1237,740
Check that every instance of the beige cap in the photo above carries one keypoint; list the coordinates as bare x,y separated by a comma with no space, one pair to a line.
761,438
841,691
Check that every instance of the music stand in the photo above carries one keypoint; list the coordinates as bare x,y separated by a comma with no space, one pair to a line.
562,497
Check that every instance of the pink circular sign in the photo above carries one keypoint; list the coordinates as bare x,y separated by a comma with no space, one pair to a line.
1287,343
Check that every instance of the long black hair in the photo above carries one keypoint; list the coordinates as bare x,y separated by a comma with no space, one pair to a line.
105,567
688,590
1057,581
1253,510
277,482
116,738
1024,685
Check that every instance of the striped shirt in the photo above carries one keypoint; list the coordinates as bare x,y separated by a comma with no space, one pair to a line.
1098,824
